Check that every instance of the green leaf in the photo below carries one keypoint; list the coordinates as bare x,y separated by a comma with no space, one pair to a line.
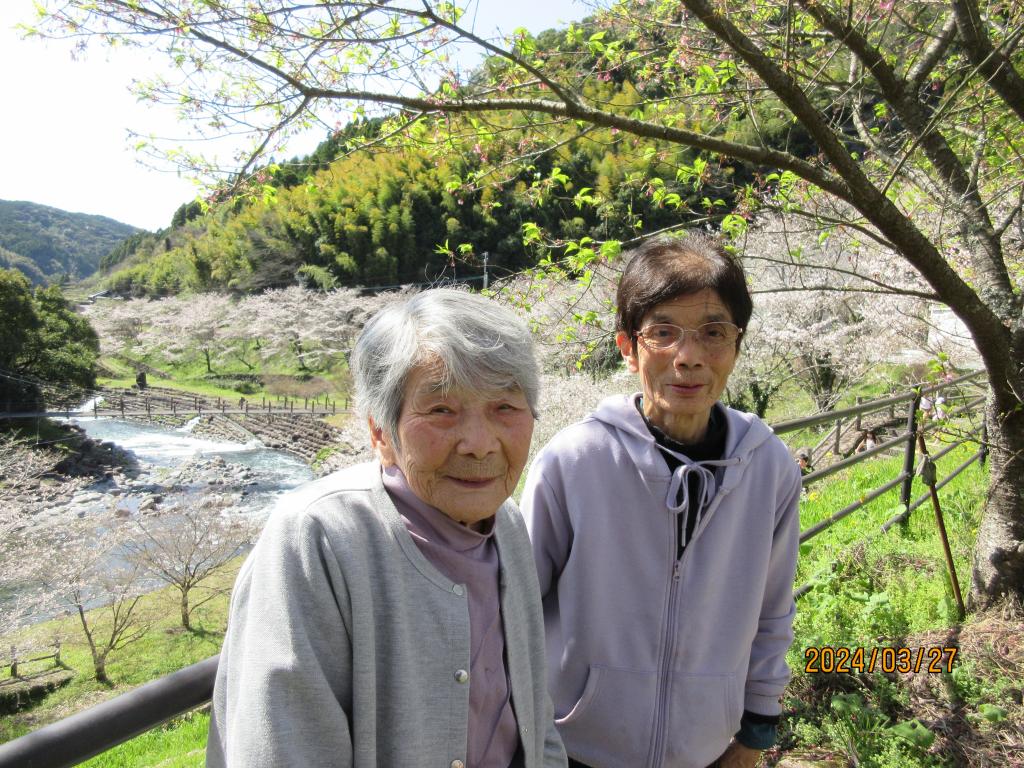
610,249
531,233
992,712
847,704
914,732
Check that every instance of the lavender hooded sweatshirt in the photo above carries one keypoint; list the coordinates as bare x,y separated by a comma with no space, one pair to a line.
652,660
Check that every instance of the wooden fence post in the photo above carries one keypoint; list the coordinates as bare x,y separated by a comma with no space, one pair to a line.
928,478
839,434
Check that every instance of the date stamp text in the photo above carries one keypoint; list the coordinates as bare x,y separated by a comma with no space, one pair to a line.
826,659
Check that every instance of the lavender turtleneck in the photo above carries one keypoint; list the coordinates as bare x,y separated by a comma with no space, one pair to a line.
468,557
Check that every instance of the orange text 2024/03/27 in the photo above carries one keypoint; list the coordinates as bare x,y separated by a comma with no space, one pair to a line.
927,658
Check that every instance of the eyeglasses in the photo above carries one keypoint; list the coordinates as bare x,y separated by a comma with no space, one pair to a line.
712,336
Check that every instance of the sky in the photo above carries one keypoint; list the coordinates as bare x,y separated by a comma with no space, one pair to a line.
64,136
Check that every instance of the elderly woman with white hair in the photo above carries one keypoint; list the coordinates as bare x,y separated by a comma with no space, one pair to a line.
389,614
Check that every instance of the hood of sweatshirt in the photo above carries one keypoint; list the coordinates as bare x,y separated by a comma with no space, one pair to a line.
745,433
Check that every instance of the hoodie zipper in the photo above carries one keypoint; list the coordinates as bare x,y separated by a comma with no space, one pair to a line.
665,673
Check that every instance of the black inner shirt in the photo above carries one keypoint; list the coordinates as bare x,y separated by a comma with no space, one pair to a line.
710,448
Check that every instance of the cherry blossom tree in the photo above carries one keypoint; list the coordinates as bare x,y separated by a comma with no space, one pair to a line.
828,308
185,546
78,567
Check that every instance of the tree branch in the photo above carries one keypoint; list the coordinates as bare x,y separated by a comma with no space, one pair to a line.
875,207
932,55
993,64
916,120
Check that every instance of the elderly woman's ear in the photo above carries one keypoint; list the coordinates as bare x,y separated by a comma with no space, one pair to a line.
627,350
382,445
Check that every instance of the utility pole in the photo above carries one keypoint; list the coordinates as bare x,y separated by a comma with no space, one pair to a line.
486,254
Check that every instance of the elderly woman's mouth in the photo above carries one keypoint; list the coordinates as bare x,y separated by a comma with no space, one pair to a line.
686,389
472,482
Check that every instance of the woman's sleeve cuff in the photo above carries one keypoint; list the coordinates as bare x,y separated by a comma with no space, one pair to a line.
758,731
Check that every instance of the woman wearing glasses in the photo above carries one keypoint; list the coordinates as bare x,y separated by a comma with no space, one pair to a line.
665,532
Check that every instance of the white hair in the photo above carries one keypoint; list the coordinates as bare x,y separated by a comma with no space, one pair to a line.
478,344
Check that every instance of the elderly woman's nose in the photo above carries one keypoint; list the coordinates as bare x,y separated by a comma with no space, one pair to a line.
689,350
477,436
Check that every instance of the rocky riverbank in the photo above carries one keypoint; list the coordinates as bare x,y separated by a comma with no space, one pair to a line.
37,479
78,475
45,485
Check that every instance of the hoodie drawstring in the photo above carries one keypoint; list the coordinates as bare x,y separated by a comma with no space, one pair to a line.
678,497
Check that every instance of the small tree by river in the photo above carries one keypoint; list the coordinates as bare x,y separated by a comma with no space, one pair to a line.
186,547
77,568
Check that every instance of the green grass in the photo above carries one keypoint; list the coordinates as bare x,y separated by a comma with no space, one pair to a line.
279,376
875,590
178,744
189,387
165,648
874,584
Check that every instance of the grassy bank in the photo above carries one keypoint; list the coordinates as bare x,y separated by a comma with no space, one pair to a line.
873,591
165,648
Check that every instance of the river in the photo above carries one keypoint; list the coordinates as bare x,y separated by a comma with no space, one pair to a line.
171,469
160,451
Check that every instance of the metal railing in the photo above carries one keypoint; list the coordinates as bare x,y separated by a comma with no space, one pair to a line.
95,730
905,479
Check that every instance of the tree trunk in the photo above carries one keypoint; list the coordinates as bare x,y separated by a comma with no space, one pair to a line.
999,552
99,664
99,661
185,612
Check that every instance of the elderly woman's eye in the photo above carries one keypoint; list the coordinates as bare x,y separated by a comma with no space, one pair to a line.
440,409
714,331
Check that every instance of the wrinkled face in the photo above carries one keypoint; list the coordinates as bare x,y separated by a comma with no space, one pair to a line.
681,383
460,451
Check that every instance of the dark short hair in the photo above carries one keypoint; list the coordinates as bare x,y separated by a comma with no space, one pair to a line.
665,267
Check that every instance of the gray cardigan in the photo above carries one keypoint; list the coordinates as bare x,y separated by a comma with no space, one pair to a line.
345,647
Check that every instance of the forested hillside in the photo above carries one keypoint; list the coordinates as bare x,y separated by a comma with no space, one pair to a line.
430,210
46,243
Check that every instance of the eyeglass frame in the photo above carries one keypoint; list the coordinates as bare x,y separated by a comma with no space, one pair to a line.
696,331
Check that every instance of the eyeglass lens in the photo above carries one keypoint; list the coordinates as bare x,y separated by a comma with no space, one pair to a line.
709,335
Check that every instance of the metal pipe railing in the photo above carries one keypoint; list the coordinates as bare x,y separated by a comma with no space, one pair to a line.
88,733
831,469
870,407
814,530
